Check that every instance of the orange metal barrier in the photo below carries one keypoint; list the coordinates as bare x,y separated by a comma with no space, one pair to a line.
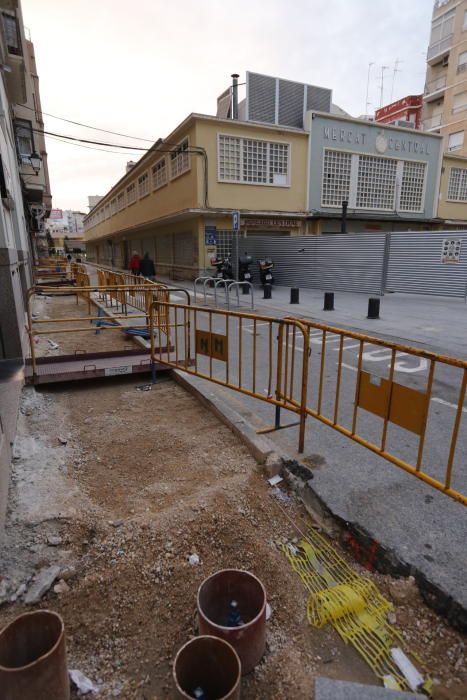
214,344
390,411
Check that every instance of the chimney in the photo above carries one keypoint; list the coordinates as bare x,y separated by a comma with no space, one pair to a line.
129,166
235,77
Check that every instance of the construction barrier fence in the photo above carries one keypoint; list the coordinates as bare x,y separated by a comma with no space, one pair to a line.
385,396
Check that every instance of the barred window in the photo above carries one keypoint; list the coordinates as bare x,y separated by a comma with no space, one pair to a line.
120,200
413,181
457,187
113,206
179,159
131,193
229,158
107,211
376,184
336,178
253,161
143,185
159,174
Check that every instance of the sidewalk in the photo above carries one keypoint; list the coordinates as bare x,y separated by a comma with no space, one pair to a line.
437,322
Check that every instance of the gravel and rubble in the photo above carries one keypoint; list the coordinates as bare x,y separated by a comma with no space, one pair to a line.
149,495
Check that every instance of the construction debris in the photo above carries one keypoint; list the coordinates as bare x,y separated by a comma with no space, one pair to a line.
82,682
42,584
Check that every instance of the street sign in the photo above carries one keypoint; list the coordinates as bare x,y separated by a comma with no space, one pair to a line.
210,235
236,221
212,345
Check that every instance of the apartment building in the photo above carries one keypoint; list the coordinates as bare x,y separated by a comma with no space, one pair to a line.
445,98
406,112
452,205
24,182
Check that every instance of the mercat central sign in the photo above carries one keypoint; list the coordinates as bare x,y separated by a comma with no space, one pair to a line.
382,142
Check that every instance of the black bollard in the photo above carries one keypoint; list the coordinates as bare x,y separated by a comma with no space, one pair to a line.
267,291
295,295
245,288
328,301
373,308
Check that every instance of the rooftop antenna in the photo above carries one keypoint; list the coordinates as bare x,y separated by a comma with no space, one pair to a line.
395,70
381,94
367,104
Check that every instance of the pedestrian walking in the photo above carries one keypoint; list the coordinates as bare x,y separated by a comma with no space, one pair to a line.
135,262
147,268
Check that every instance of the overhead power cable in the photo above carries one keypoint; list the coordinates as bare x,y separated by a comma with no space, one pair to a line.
91,148
88,126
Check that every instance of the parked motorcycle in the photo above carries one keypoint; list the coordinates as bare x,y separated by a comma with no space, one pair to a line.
223,267
244,272
265,271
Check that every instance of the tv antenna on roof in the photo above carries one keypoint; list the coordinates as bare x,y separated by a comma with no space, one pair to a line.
395,70
381,94
367,104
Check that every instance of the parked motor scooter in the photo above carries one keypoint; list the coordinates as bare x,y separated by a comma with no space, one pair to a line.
223,267
244,272
265,271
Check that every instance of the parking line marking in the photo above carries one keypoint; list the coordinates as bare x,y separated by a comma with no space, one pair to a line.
447,403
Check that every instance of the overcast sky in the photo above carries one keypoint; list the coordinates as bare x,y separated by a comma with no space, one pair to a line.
140,68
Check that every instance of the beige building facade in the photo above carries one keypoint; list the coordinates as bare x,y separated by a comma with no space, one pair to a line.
179,191
445,98
452,205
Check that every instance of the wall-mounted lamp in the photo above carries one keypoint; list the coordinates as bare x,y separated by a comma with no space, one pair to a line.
36,162
4,68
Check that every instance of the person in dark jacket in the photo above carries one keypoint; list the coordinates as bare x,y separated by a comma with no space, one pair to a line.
146,267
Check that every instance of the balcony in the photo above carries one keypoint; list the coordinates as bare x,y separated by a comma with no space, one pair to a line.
434,89
432,123
439,49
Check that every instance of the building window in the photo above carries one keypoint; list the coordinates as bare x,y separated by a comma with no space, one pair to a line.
457,187
372,182
464,27
159,174
336,178
24,139
131,193
107,211
12,36
120,200
113,206
143,185
455,141
179,159
412,187
462,62
376,185
253,161
459,103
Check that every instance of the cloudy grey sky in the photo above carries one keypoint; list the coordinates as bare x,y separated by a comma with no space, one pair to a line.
140,68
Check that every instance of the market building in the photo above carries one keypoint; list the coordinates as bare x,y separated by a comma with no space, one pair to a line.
284,163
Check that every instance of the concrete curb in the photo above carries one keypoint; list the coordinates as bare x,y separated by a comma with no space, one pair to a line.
353,537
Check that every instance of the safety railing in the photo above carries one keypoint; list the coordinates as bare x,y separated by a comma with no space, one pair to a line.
401,403
95,321
389,398
226,348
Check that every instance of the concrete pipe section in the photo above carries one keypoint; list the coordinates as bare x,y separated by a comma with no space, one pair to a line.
33,658
207,668
232,606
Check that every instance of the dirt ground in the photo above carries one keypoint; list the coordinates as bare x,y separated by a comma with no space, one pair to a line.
131,483
118,487
63,307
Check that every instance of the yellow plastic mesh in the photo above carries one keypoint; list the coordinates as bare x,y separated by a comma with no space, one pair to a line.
351,603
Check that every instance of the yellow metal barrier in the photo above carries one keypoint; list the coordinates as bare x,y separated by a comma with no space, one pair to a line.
225,349
405,404
389,412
